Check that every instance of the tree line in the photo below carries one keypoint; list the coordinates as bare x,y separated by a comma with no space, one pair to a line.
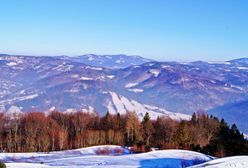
38,132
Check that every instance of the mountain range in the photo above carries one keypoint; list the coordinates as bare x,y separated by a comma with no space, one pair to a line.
120,83
108,61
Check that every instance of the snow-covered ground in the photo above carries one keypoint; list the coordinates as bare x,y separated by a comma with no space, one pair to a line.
228,162
94,157
111,156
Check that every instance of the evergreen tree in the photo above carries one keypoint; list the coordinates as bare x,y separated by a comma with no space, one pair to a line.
194,118
147,129
106,122
181,136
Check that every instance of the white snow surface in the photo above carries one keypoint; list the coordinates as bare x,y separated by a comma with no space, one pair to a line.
155,72
85,78
243,68
91,58
117,157
94,68
122,105
13,112
11,63
110,76
136,90
20,98
129,85
219,62
228,162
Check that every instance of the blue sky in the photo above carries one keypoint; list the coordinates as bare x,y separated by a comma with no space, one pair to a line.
180,30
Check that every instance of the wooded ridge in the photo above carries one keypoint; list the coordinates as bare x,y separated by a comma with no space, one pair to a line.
38,132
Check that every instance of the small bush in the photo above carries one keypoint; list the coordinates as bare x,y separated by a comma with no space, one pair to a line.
118,151
2,165
140,148
103,151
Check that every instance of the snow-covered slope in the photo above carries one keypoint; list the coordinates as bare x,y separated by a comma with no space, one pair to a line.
228,162
122,105
90,157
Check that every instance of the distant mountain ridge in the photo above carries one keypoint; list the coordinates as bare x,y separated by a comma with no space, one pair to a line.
160,88
109,61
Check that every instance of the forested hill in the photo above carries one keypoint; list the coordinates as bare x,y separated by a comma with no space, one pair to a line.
36,132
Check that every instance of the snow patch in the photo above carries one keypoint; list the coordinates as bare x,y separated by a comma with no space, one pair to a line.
11,64
85,78
13,112
89,109
155,72
22,91
243,68
111,108
219,62
91,58
165,66
119,61
236,87
94,68
129,85
70,110
135,90
110,76
151,64
29,97
63,67
52,109
118,104
21,98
